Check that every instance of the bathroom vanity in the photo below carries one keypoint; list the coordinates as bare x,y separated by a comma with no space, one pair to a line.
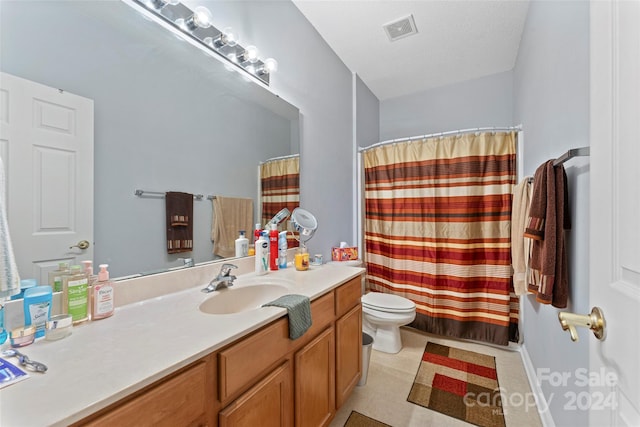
161,361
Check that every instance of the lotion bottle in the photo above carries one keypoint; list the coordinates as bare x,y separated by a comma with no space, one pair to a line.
56,276
242,245
262,255
102,300
273,247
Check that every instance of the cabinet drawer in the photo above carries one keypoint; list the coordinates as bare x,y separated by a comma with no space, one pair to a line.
179,401
244,362
348,296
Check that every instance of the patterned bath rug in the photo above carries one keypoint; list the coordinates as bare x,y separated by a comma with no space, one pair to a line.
356,419
459,383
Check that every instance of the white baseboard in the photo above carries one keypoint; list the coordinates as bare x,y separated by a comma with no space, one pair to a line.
545,416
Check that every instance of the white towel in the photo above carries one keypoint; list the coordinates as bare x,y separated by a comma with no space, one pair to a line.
9,277
520,245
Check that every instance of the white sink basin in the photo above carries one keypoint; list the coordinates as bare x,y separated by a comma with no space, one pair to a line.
241,299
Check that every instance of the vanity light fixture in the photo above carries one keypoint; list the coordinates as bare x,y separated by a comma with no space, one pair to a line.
195,26
159,4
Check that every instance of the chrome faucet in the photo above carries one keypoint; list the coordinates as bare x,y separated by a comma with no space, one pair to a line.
187,262
223,280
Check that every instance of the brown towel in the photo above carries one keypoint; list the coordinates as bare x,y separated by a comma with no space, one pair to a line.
179,212
230,215
548,218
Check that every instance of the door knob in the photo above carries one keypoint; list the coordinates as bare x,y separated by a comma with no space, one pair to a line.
82,244
594,321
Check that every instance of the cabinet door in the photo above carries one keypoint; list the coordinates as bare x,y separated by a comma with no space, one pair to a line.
267,404
315,381
348,353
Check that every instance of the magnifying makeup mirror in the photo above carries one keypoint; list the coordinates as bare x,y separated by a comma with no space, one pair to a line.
304,223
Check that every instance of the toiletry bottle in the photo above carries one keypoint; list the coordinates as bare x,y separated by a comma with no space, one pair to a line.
273,247
262,256
302,259
256,233
37,308
56,276
282,249
75,300
3,331
242,245
102,301
87,267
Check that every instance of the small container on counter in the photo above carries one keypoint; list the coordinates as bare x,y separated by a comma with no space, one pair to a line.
58,327
21,337
302,259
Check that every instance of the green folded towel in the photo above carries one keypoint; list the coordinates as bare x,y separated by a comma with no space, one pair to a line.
299,311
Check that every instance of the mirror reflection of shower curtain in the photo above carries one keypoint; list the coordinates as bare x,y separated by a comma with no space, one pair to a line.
437,231
280,188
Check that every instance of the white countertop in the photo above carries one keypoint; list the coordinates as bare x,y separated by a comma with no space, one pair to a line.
103,361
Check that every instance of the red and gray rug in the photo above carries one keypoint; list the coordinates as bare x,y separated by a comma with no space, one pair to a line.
459,383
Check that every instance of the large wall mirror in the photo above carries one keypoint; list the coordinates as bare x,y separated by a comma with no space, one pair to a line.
167,117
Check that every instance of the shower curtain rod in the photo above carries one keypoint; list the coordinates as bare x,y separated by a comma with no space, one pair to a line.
448,133
273,159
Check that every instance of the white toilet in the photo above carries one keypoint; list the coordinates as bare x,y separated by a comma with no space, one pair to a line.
382,316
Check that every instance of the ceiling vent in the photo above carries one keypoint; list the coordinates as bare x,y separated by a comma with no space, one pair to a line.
400,28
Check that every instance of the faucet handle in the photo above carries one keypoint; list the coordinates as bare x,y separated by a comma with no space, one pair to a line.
226,269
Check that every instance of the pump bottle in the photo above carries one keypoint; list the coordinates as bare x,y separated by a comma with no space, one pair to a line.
242,245
102,303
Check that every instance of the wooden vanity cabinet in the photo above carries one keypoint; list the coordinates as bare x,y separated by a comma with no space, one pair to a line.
267,404
184,398
315,374
264,379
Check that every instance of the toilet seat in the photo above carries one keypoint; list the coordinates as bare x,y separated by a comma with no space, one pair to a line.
387,303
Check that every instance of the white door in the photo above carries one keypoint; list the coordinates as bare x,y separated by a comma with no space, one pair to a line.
615,212
46,143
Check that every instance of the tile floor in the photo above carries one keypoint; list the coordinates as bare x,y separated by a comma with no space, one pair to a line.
384,397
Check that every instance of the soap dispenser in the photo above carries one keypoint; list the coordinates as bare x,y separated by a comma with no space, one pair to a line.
103,304
242,245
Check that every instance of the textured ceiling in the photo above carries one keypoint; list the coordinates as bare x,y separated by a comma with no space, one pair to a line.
456,40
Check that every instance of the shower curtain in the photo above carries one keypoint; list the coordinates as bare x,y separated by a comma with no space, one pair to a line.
437,231
280,188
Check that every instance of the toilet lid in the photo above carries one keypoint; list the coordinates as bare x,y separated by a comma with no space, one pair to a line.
387,302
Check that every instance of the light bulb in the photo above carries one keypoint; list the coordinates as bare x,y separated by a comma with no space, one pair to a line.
270,65
250,54
202,17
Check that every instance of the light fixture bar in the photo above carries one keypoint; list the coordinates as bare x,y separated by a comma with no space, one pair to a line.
182,21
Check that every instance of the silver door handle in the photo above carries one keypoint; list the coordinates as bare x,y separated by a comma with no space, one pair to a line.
594,321
82,244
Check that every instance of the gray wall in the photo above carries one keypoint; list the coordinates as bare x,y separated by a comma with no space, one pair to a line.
161,122
551,86
487,101
367,115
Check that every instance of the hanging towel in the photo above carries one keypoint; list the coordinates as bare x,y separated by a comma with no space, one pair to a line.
9,277
179,213
520,245
548,218
230,215
299,311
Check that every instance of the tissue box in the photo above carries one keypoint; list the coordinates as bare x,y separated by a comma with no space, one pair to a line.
344,254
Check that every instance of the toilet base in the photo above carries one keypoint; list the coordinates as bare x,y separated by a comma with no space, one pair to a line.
386,337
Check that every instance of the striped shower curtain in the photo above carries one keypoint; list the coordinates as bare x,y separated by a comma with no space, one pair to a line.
280,188
437,231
